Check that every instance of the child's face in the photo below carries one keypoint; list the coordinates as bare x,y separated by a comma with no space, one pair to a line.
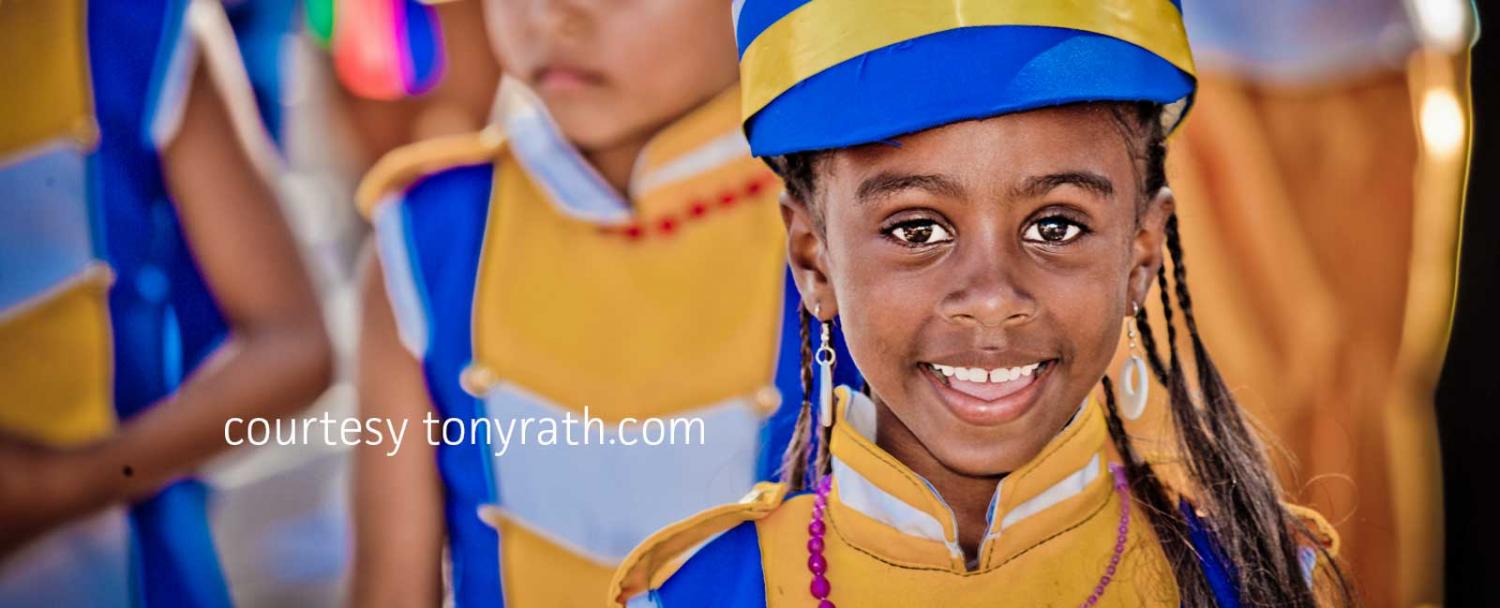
1013,243
613,70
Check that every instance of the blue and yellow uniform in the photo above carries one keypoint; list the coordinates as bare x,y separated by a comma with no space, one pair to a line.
102,309
825,74
529,289
893,541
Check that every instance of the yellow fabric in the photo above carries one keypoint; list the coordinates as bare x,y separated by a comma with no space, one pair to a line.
44,63
631,327
1054,556
1072,450
823,33
1063,570
397,170
872,564
717,118
581,313
537,572
658,556
45,399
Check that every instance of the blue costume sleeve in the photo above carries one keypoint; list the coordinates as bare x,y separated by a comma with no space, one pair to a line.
1220,575
725,573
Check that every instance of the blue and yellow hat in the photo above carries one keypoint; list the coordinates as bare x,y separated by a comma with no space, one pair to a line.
819,74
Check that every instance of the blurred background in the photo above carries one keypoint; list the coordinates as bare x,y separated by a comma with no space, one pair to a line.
1322,182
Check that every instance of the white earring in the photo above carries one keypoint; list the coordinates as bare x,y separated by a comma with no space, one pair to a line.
1135,387
824,358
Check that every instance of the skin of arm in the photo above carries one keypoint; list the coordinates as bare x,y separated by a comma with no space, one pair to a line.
398,512
275,360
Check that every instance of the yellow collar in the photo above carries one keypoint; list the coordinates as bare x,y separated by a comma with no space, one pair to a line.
883,507
701,141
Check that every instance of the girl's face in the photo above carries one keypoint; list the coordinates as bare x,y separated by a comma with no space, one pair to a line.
981,271
612,70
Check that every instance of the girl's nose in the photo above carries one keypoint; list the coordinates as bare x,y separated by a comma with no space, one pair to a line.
984,291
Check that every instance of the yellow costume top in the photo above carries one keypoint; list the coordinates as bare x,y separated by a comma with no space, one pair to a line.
531,290
892,541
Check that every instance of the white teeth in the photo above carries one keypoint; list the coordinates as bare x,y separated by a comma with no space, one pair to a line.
974,374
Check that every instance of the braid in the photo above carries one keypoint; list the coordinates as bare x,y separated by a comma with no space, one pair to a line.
1147,489
1148,341
1225,466
794,459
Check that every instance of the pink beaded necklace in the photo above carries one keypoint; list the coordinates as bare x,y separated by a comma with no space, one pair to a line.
818,565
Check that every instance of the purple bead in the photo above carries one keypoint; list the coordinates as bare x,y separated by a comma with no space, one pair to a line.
815,545
816,528
818,511
820,587
1110,571
825,604
816,564
820,501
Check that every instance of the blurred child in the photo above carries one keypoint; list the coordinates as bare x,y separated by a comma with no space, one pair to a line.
609,251
151,290
977,194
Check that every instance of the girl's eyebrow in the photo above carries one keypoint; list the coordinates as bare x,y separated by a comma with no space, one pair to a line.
887,184
1039,185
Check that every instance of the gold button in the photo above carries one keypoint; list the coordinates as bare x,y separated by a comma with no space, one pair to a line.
476,379
768,398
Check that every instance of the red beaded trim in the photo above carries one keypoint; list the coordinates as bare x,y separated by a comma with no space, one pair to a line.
668,225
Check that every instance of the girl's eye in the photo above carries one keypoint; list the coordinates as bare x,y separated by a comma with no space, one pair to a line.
921,232
1053,231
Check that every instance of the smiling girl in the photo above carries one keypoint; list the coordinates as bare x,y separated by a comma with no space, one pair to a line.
976,196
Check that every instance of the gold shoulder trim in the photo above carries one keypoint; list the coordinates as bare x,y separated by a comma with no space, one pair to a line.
399,168
660,555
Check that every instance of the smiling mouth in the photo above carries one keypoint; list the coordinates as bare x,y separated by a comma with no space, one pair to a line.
988,396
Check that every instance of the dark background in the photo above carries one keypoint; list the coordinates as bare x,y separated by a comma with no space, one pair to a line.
1468,396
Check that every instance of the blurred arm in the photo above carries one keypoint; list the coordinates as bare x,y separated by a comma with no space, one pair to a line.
398,511
277,357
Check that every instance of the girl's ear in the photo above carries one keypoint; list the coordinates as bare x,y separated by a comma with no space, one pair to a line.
1147,248
808,257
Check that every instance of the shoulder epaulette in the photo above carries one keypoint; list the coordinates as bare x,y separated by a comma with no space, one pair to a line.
658,556
400,168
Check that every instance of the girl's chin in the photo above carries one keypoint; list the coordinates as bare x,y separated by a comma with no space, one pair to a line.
987,459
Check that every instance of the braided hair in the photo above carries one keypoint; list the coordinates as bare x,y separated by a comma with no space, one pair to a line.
1224,466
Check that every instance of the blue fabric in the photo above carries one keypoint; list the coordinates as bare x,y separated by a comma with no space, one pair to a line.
164,320
777,431
177,564
445,219
961,74
1220,574
725,573
424,43
261,28
446,215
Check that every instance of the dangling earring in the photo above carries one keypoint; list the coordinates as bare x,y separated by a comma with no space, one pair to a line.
1135,387
824,358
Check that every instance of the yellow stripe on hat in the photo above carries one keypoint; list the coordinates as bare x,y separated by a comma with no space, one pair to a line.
823,33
